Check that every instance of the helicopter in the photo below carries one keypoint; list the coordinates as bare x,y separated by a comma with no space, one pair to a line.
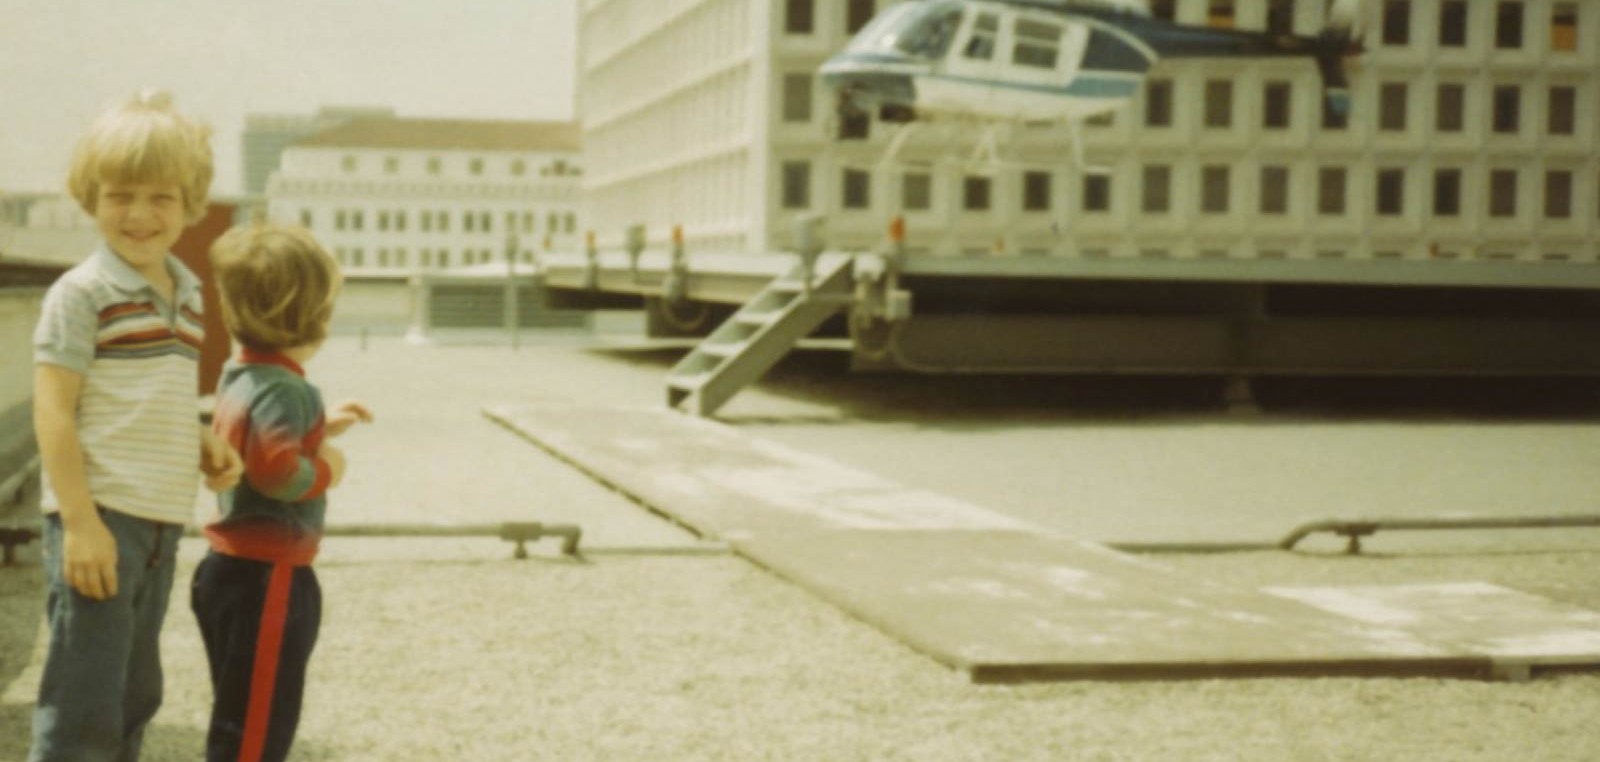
1000,62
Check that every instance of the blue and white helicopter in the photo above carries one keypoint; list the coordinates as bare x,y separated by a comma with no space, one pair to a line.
1032,61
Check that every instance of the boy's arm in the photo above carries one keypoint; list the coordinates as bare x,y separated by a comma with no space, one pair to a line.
275,461
218,461
89,552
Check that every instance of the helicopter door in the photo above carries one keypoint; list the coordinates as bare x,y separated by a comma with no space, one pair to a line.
963,82
1041,61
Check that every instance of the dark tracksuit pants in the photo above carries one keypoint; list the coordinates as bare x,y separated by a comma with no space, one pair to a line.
259,621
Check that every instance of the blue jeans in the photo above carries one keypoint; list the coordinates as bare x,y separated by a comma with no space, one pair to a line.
102,673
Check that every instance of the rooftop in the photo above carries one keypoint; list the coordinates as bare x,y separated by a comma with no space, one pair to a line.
447,134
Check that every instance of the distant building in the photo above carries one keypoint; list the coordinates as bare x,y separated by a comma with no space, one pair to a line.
1473,135
266,135
395,194
46,227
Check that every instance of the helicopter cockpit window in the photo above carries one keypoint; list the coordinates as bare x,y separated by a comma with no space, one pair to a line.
985,28
1038,44
918,29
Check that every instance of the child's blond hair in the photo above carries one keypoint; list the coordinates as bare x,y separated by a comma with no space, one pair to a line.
278,286
144,141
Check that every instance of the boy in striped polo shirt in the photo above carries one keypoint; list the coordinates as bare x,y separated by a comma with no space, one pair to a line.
115,387
255,594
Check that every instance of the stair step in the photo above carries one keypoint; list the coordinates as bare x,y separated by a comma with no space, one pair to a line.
756,318
688,382
721,350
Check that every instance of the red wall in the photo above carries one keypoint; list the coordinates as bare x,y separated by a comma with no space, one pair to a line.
194,248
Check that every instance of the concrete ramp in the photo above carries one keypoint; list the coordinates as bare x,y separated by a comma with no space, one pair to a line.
1004,600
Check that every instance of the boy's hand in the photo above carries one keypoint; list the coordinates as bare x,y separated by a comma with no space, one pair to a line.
347,414
335,459
219,462
89,559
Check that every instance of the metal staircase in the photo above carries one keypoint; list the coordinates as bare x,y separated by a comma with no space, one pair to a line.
753,339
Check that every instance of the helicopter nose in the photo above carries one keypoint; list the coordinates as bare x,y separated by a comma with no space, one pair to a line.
874,78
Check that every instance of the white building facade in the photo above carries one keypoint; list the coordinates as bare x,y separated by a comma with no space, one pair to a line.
400,195
1474,133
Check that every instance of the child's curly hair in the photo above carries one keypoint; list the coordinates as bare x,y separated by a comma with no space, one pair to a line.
277,284
145,140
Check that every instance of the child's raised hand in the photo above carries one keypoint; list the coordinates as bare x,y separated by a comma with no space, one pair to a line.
334,457
347,414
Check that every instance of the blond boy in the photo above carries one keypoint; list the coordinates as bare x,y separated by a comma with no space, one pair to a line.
115,383
256,596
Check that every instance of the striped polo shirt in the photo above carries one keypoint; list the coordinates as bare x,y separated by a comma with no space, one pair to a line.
139,358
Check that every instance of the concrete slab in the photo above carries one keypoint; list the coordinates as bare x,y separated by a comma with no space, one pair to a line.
1004,600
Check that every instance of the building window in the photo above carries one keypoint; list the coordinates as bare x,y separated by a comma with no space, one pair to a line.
1158,103
425,219
485,222
796,185
1397,22
1564,27
856,189
1503,193
433,165
357,255
1155,196
1214,189
1563,110
797,97
1446,192
475,166
357,220
1450,114
1453,24
1219,103
1274,190
519,167
391,165
1275,105
1392,107
858,14
1096,193
799,16
1508,25
527,222
400,220
444,221
1219,14
1280,16
1391,192
305,218
468,219
383,220
1166,10
1507,108
569,222
1330,190
339,219
855,124
383,257
916,191
1036,191
975,194
1558,194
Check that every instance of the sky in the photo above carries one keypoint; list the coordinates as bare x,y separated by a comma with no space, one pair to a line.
63,62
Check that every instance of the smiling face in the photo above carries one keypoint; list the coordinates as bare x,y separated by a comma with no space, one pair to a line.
140,222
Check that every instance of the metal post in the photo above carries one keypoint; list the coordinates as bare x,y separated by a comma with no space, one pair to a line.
808,241
513,315
635,248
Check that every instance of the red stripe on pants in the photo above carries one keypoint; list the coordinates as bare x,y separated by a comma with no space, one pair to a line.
264,676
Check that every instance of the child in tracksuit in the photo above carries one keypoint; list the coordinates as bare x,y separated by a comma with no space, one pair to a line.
255,594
